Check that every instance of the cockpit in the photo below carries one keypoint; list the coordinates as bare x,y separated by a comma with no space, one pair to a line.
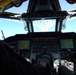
44,28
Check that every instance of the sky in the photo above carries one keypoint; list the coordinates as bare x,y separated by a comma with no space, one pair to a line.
10,27
67,6
21,9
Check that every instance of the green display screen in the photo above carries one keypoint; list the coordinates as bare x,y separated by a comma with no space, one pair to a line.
23,44
66,43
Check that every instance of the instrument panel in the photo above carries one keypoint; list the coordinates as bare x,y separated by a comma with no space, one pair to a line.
35,43
49,44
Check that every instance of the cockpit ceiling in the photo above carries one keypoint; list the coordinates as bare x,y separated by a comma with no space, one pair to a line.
33,6
55,5
6,4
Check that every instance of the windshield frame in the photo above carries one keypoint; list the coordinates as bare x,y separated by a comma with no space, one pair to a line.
43,25
57,28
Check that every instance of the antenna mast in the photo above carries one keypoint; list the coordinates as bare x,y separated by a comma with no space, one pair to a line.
2,34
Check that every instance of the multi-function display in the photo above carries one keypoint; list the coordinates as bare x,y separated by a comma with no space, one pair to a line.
66,44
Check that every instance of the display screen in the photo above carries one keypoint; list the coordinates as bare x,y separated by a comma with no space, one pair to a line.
66,43
23,44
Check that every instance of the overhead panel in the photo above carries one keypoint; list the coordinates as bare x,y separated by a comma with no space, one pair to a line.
43,5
